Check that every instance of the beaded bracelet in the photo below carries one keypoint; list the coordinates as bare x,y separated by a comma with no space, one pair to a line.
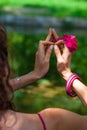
69,83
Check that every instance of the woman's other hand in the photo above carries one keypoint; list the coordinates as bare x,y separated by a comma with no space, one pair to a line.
63,59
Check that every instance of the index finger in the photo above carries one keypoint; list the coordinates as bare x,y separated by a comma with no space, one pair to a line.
49,35
55,34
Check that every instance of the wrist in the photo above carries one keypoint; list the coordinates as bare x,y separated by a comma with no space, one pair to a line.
36,75
67,75
69,84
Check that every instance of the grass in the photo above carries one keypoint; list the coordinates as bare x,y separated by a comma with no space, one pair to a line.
57,8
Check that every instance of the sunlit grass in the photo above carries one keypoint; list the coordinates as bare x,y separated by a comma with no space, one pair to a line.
47,3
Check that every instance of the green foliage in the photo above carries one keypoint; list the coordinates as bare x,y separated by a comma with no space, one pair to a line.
80,61
57,8
22,50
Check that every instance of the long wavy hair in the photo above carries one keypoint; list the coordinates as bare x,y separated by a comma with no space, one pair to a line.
6,91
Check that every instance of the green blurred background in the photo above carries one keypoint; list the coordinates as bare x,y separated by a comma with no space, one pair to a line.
23,39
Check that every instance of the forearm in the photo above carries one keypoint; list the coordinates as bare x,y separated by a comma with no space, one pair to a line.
81,91
24,80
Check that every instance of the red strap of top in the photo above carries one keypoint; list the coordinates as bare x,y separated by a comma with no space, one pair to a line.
43,123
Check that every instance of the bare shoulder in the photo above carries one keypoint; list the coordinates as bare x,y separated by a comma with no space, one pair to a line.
57,119
51,118
56,112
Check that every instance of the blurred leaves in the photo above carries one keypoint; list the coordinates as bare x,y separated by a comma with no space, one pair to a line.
63,8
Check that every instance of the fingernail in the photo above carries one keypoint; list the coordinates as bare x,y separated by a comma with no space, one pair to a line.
55,47
51,47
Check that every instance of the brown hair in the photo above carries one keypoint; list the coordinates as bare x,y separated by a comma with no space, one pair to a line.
6,92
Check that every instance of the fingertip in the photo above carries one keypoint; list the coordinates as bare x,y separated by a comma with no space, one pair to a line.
53,29
55,47
51,47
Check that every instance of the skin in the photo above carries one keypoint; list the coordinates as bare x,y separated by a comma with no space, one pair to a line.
54,118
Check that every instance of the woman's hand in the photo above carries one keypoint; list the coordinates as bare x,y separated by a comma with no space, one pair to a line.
63,59
43,56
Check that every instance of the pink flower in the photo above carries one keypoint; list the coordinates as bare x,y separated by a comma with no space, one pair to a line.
70,41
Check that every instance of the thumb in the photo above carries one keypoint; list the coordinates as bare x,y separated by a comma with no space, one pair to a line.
58,53
54,34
